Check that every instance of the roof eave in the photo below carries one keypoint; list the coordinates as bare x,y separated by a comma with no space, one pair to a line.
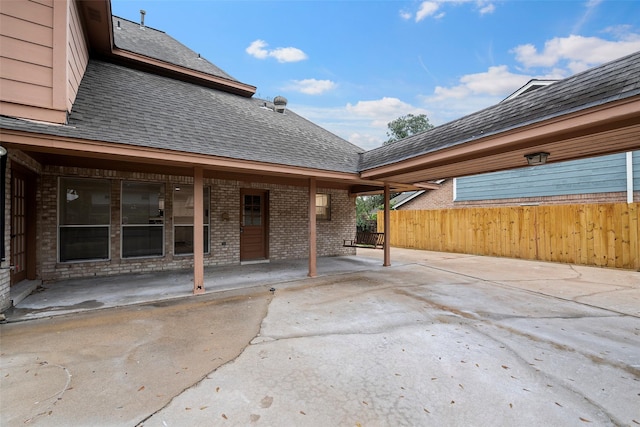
98,26
178,72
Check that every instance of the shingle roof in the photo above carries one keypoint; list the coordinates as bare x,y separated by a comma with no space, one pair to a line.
403,198
609,82
122,105
157,44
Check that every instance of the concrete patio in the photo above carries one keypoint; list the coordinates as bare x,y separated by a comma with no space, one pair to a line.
435,339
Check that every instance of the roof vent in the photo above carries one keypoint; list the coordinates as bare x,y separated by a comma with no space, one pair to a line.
280,104
142,13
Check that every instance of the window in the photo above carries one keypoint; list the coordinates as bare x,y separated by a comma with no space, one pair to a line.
84,213
142,219
183,219
252,210
323,207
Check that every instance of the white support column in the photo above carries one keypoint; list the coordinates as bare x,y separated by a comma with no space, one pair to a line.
629,177
313,271
387,226
198,231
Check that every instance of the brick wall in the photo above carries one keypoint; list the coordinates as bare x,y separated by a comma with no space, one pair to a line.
288,226
441,198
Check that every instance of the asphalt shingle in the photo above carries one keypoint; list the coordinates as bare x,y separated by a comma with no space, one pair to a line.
157,44
122,105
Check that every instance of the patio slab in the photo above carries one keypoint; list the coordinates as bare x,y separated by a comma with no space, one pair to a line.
425,342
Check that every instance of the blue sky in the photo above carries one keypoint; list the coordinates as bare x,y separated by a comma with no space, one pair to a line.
353,66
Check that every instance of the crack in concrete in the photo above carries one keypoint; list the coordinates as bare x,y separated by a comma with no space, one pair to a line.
57,395
507,285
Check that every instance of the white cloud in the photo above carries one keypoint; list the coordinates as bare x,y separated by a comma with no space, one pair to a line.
288,54
427,8
496,81
311,86
405,15
257,49
577,52
488,8
363,123
590,6
381,111
433,8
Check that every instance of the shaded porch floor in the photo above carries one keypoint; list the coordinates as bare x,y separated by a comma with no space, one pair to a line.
76,295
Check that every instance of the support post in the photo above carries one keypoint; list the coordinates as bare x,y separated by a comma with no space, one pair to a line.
313,272
630,177
387,222
198,231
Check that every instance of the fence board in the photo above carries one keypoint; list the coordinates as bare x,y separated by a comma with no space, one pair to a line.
603,235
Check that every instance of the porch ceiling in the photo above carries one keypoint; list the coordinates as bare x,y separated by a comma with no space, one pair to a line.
606,130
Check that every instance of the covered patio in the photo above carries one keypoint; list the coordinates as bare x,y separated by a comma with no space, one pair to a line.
35,300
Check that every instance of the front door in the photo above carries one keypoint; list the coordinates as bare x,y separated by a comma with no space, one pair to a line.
21,256
253,225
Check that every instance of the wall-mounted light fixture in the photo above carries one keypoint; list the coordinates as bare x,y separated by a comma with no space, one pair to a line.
536,158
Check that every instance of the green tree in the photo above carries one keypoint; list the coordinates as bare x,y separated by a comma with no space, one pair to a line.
367,208
405,126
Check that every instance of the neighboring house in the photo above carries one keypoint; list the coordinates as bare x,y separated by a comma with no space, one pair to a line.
438,197
606,179
123,150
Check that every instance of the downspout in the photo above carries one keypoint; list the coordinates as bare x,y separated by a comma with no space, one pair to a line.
629,177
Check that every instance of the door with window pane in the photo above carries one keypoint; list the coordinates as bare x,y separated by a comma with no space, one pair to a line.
23,225
18,228
253,225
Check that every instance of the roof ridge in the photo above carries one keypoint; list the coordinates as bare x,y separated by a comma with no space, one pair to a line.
137,23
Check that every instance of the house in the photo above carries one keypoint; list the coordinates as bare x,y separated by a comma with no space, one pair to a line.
614,178
125,151
129,152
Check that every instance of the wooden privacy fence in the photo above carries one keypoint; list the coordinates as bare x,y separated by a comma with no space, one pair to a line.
604,235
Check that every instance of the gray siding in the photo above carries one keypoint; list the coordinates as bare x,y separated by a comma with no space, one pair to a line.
604,174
